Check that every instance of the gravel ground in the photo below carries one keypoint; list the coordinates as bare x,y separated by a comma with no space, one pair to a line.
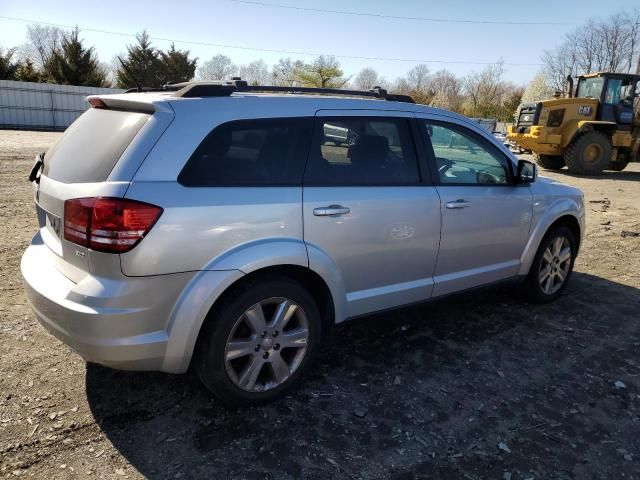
480,386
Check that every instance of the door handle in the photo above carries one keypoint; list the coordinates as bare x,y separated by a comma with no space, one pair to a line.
460,203
331,210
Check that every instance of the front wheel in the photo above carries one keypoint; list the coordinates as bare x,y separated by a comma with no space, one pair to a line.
588,154
552,266
550,162
257,344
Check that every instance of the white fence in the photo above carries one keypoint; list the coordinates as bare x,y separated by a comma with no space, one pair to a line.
43,106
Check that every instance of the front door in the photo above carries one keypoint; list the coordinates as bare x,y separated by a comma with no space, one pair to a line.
366,211
485,218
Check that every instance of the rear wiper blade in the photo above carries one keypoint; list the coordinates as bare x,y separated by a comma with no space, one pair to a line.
37,168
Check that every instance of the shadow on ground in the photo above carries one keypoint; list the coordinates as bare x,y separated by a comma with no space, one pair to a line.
474,386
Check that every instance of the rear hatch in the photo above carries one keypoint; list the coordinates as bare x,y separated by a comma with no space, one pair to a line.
95,157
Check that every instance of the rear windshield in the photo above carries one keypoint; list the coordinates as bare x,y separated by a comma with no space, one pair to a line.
92,145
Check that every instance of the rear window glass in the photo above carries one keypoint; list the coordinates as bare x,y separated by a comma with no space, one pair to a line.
92,145
262,152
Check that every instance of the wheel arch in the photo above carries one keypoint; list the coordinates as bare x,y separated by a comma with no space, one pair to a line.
310,280
572,224
558,215
586,126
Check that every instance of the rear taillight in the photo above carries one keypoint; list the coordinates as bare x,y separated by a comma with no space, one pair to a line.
97,103
113,225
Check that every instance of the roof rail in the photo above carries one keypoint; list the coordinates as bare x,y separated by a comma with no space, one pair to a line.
226,88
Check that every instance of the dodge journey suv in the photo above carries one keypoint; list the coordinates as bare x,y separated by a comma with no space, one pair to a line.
226,227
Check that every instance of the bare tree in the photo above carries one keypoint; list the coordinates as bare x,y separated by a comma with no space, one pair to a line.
367,78
255,73
220,67
538,89
611,44
42,41
416,84
446,89
283,73
484,91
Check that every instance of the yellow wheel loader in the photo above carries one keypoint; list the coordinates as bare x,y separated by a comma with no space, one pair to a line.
597,129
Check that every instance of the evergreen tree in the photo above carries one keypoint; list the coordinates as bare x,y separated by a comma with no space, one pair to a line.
324,72
142,65
73,64
26,72
177,66
7,66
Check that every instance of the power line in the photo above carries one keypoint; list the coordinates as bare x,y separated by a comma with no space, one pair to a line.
268,50
395,17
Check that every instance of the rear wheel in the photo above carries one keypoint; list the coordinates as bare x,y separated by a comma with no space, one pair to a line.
550,162
588,154
259,342
552,266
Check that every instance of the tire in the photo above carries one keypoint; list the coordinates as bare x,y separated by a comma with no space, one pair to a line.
231,381
617,166
550,162
588,154
534,285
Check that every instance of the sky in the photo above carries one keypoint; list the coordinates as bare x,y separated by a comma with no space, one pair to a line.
248,30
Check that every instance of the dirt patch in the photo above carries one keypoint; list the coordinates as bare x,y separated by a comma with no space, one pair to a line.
477,386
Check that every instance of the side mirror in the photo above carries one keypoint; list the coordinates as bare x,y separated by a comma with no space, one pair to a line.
527,172
430,130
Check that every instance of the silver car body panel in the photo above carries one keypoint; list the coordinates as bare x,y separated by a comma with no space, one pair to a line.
398,245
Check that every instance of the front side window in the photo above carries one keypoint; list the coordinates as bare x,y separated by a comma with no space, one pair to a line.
263,152
619,91
362,151
462,157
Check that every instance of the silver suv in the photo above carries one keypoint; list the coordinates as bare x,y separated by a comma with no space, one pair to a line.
227,227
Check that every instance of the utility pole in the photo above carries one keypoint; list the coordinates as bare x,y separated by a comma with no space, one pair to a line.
638,66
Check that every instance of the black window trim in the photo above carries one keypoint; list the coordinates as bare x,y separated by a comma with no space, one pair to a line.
423,173
309,118
483,142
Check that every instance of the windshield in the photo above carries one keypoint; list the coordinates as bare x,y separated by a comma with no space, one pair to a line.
590,87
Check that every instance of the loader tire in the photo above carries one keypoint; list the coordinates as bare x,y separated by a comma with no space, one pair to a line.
550,162
588,154
617,166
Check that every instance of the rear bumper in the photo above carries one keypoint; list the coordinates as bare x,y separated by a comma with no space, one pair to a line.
120,323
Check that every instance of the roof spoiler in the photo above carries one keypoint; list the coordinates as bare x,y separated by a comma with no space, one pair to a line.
118,102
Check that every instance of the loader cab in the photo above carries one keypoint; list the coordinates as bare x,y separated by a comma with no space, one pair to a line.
616,93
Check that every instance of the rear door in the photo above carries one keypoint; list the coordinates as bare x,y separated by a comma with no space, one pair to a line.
368,211
485,217
81,164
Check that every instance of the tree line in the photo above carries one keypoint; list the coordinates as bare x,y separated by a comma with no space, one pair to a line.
57,56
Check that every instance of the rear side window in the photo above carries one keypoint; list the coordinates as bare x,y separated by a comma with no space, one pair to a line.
262,152
366,151
92,145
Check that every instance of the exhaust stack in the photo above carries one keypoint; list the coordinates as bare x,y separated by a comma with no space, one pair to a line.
570,85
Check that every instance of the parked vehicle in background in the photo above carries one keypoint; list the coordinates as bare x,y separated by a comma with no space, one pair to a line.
488,124
597,130
502,138
215,226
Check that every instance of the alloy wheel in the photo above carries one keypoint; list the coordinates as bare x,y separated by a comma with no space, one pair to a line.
555,265
266,344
